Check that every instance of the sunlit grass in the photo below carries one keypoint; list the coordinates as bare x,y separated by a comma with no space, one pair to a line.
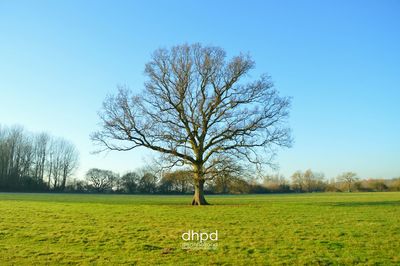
347,228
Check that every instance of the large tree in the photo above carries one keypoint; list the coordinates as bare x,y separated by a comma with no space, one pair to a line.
198,107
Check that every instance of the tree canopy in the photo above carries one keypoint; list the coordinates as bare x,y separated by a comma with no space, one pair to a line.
198,108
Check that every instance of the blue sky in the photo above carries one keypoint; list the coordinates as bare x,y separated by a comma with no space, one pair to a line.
338,60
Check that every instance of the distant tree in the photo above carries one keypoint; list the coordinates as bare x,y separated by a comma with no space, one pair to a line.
395,184
297,181
176,181
377,185
62,162
226,174
308,181
166,184
358,186
41,143
183,180
130,182
348,178
222,182
14,149
239,186
101,180
27,158
195,107
69,162
276,183
76,185
332,186
148,183
313,181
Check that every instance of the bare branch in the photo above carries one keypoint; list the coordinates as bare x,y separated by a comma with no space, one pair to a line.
196,107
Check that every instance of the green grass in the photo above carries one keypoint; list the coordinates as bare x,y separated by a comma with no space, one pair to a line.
327,229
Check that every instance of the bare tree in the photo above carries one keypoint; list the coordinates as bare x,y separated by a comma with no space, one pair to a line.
226,173
25,158
55,164
14,140
313,181
176,181
195,107
349,178
101,180
62,162
41,143
148,183
69,161
308,181
298,181
276,183
130,182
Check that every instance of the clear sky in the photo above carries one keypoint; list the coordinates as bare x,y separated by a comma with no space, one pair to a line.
339,60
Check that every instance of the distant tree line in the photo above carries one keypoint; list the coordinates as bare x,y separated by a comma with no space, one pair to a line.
309,181
149,181
35,162
41,163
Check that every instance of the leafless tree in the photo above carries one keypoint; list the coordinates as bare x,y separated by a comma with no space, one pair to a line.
101,180
62,162
297,181
308,181
130,182
313,181
69,161
13,142
195,107
349,178
276,183
225,173
176,181
25,159
41,143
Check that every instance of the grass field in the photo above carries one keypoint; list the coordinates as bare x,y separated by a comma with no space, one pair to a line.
337,229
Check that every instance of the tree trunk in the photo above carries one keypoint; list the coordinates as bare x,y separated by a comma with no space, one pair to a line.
198,198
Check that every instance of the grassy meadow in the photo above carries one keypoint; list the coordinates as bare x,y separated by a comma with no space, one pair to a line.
295,229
